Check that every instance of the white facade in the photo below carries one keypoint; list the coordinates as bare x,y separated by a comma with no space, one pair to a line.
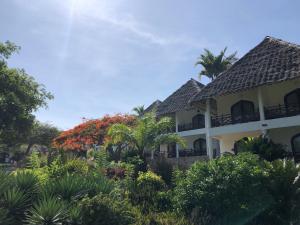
270,109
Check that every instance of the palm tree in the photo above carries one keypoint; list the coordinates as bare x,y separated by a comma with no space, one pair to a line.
214,65
139,110
148,134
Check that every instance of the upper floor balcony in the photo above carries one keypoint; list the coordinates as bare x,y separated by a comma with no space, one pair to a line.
197,122
244,111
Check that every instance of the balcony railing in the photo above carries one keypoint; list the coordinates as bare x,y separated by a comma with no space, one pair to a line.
280,111
187,153
190,126
227,119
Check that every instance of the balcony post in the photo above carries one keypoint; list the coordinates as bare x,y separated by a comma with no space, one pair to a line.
260,105
177,147
207,127
261,108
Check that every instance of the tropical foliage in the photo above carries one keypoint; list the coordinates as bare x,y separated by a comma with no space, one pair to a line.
89,133
139,110
20,97
213,65
148,134
262,146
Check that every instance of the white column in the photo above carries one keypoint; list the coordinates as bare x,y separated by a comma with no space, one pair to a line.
207,127
261,109
260,104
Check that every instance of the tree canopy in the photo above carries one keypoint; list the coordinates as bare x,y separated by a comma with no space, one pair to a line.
139,110
20,96
213,65
148,134
91,132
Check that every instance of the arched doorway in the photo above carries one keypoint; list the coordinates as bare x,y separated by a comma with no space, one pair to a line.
242,111
198,121
292,102
296,147
200,147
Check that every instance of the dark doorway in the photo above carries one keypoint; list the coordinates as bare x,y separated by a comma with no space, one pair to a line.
242,111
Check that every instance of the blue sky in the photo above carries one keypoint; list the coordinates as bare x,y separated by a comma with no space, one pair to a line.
107,56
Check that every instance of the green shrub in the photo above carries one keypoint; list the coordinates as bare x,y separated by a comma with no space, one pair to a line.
14,203
36,161
103,210
284,186
229,189
74,166
144,191
27,182
48,211
162,219
150,181
164,169
263,146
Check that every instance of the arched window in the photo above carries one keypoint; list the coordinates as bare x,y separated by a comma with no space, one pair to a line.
198,121
292,102
200,147
242,111
296,147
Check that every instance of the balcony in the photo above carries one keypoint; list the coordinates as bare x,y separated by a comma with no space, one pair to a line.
187,153
190,126
280,111
228,119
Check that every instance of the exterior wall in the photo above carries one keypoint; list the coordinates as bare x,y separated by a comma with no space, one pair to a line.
284,136
227,141
272,95
184,117
190,140
224,103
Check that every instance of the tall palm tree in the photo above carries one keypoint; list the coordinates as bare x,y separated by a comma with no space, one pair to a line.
213,65
139,110
148,134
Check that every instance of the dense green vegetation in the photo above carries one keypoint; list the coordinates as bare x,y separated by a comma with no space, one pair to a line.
233,189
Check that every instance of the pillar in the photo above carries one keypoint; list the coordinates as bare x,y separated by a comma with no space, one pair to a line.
207,127
261,109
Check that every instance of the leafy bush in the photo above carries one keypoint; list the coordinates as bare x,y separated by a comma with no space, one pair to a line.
73,166
150,181
48,211
229,190
283,185
103,210
164,169
264,147
26,181
14,204
163,219
145,190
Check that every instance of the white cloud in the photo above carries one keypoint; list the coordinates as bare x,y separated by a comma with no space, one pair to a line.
93,11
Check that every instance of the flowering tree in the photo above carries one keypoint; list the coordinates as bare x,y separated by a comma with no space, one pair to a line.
81,137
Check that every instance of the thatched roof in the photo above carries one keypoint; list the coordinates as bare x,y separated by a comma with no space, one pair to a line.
271,61
179,100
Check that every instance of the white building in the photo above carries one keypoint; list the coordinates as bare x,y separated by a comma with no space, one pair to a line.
259,94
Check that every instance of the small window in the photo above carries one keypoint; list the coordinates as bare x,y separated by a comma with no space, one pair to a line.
242,111
198,121
200,146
